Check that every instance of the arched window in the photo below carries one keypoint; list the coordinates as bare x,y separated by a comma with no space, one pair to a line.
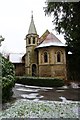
33,40
29,41
45,57
58,57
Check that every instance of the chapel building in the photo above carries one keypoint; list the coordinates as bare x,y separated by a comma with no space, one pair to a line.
45,56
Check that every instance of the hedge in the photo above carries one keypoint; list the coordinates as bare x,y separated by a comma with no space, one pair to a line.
40,81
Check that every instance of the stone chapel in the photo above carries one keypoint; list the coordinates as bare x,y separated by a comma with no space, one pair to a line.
45,56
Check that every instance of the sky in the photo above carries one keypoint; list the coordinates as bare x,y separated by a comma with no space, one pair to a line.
15,17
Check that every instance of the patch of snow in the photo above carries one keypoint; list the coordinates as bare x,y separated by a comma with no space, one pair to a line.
74,85
47,88
60,90
24,99
23,89
31,86
28,90
69,52
16,84
28,86
63,99
32,95
41,97
65,87
38,87
36,100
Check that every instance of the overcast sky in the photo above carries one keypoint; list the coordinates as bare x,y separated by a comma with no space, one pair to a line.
15,17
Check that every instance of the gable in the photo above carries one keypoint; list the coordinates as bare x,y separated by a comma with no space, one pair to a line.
43,37
51,40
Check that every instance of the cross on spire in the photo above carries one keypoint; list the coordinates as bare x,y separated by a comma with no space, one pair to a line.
32,14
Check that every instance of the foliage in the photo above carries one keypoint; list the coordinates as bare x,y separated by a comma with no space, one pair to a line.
8,78
67,21
40,81
73,69
7,68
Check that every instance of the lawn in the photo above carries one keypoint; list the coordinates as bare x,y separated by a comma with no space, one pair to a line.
41,109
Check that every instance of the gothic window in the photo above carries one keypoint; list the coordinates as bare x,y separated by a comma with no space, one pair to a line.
29,41
33,40
58,57
45,57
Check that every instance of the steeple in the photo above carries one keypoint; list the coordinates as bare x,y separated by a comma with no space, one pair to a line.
32,28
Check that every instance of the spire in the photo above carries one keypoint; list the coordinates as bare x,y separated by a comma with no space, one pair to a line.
32,28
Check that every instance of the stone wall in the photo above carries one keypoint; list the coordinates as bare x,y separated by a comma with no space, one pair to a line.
52,68
19,69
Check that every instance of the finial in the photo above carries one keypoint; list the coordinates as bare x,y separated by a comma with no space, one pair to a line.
32,14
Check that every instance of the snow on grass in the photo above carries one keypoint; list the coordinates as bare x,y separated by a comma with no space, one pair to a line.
41,109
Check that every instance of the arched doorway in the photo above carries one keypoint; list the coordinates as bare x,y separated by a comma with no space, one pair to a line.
34,70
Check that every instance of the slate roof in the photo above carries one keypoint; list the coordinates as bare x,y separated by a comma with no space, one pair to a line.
43,37
16,57
51,40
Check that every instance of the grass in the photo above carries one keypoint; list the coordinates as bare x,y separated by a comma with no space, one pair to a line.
41,109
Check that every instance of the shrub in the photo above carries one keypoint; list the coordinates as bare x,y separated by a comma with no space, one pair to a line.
40,81
7,79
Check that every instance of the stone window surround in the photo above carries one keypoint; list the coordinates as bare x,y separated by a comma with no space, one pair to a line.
61,57
42,57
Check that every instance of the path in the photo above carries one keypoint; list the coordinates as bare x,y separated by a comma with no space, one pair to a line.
45,93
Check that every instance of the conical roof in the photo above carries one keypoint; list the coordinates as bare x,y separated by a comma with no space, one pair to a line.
51,40
32,28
